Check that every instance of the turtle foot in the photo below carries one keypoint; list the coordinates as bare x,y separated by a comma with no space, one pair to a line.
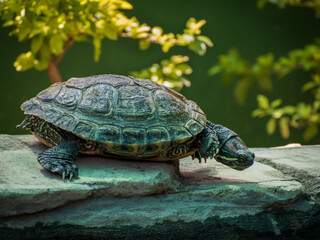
58,162
198,156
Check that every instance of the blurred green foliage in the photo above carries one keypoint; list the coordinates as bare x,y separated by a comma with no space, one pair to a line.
170,72
313,4
52,26
302,116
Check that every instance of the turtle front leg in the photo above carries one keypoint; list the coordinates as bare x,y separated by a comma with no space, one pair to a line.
60,159
208,144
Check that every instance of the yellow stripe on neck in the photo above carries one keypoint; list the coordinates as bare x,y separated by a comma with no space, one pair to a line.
229,159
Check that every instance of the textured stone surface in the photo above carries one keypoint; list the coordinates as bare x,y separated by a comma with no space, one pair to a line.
115,199
301,163
27,188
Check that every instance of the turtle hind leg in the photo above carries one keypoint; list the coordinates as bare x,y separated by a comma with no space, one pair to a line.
60,159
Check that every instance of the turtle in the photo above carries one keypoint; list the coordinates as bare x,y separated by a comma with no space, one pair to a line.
128,118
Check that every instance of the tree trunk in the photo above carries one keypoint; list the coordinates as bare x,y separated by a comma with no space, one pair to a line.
53,72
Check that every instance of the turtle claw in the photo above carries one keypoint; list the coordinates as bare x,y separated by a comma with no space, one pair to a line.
73,174
59,163
197,155
70,170
65,169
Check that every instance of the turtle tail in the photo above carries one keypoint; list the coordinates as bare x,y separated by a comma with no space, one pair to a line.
26,124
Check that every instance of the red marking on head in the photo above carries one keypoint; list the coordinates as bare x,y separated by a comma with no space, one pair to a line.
232,147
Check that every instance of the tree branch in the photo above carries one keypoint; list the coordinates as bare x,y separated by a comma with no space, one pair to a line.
70,42
126,35
52,70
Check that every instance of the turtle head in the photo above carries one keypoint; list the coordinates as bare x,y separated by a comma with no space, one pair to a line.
235,154
232,150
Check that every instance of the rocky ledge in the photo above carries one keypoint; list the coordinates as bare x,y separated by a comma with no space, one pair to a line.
277,198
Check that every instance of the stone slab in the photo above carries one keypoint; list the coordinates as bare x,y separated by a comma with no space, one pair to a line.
115,197
306,158
300,162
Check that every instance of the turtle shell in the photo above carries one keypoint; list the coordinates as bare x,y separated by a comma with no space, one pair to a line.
119,110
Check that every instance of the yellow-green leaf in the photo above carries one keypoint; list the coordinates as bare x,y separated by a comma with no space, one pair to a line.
157,31
241,90
126,5
276,103
24,61
111,32
56,44
261,3
198,47
166,46
309,85
24,31
144,44
271,126
36,43
44,57
195,26
97,48
263,101
310,132
289,109
206,40
8,23
284,127
258,113
184,68
215,70
179,59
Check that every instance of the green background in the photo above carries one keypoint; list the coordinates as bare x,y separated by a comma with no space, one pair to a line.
232,23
